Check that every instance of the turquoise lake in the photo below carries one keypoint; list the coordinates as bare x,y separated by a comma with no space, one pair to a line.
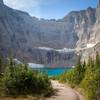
54,72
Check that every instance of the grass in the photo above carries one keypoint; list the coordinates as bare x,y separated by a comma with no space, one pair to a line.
22,98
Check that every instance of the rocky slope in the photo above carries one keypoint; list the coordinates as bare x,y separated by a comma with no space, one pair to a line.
22,35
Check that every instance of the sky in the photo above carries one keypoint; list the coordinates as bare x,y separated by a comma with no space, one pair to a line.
50,9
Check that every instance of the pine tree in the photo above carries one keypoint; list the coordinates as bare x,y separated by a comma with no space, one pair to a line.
11,67
1,65
84,65
78,72
83,69
78,66
97,60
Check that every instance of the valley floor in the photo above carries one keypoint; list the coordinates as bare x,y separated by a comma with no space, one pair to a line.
65,93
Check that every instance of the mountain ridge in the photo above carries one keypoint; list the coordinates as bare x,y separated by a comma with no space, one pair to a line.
22,34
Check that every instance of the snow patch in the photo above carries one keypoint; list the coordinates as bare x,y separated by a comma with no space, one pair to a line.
45,48
90,45
17,61
64,50
33,65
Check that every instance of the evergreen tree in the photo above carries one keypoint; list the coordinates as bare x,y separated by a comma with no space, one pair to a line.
84,66
1,64
97,62
11,67
78,71
78,66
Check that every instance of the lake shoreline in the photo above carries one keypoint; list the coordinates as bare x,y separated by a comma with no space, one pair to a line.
52,71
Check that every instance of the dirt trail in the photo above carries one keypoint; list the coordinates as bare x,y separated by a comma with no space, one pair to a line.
65,92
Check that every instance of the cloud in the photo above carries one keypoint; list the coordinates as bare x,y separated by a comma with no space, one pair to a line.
33,7
30,6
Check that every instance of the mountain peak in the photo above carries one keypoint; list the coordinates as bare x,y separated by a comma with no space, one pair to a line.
98,3
1,1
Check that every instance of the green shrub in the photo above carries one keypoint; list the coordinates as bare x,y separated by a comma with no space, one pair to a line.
20,80
86,76
75,76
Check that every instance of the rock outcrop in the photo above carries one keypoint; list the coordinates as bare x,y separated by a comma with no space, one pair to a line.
1,1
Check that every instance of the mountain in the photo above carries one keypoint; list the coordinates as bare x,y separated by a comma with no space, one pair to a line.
49,42
1,1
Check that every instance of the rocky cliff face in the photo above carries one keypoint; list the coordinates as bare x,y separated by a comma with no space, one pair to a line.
22,35
82,24
94,37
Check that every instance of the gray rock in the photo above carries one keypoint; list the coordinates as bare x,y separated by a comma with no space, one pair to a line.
1,1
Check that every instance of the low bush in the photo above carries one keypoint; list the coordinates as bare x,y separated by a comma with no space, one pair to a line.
21,80
85,76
